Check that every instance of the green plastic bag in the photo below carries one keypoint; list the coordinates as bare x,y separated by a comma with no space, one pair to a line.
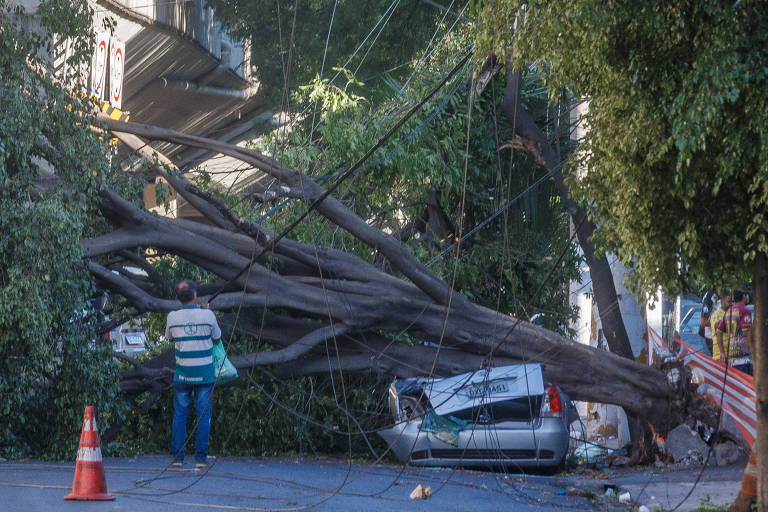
225,370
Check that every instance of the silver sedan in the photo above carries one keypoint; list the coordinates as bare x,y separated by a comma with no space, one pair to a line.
506,416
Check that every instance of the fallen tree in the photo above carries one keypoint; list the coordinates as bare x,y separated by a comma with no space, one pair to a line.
297,297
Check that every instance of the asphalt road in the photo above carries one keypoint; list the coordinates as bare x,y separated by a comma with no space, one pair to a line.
147,484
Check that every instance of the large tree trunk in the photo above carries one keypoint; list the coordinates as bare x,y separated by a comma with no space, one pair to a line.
313,295
529,138
759,346
760,365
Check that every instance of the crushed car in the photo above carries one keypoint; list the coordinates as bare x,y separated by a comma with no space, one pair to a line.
502,417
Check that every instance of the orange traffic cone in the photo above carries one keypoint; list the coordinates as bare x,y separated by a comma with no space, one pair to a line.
748,492
89,482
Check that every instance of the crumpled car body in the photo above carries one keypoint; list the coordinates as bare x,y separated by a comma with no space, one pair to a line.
506,416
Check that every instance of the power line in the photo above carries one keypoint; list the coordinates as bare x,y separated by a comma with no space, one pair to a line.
322,67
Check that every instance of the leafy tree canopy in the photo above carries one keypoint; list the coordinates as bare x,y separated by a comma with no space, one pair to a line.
675,146
387,36
51,166
414,185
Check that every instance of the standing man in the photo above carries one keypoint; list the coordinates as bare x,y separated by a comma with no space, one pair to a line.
194,331
737,328
705,330
718,352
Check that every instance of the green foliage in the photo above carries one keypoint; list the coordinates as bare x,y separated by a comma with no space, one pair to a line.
675,147
504,263
332,98
52,364
397,35
271,417
706,505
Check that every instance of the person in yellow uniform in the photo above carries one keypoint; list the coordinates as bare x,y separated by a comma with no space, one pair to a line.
718,339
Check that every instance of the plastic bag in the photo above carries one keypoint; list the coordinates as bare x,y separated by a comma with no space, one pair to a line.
225,370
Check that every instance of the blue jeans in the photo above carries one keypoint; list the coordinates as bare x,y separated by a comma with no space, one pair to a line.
746,368
182,398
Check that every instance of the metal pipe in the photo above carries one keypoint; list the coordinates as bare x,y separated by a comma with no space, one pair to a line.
187,85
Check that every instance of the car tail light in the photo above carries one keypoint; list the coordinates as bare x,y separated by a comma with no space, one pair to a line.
552,406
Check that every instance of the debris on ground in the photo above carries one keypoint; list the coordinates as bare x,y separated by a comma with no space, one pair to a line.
620,460
686,446
588,451
421,492
726,453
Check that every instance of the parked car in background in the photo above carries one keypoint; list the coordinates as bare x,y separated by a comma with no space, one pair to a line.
128,337
502,417
690,318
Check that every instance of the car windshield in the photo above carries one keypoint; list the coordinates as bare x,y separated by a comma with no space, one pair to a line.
690,322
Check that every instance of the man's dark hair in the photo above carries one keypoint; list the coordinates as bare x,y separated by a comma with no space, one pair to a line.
185,291
738,295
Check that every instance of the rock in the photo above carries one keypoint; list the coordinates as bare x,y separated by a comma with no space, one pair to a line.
727,424
685,445
726,453
643,508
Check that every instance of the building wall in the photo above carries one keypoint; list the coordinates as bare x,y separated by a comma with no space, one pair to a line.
191,19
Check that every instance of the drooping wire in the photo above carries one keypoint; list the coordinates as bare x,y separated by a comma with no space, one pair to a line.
322,67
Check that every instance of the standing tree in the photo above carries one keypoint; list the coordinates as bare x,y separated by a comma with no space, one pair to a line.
50,169
676,176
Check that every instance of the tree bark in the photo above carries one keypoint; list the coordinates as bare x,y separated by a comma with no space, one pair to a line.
760,366
530,138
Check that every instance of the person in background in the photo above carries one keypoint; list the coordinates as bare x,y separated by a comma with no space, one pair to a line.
705,329
193,331
736,327
718,354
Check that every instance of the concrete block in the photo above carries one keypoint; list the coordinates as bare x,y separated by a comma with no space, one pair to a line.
685,445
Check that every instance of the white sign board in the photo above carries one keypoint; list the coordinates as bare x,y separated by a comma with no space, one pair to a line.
116,67
99,66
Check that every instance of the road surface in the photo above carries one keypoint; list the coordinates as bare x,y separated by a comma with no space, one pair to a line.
148,484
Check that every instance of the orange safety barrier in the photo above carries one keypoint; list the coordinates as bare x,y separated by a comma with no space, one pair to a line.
735,391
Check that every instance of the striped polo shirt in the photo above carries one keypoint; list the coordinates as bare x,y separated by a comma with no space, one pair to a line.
193,330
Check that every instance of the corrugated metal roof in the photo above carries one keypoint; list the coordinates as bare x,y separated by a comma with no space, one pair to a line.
175,76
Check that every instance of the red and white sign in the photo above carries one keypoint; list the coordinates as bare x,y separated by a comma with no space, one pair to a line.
99,66
734,390
116,68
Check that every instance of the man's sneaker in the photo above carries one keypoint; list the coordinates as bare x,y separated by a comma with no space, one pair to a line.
177,463
204,464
